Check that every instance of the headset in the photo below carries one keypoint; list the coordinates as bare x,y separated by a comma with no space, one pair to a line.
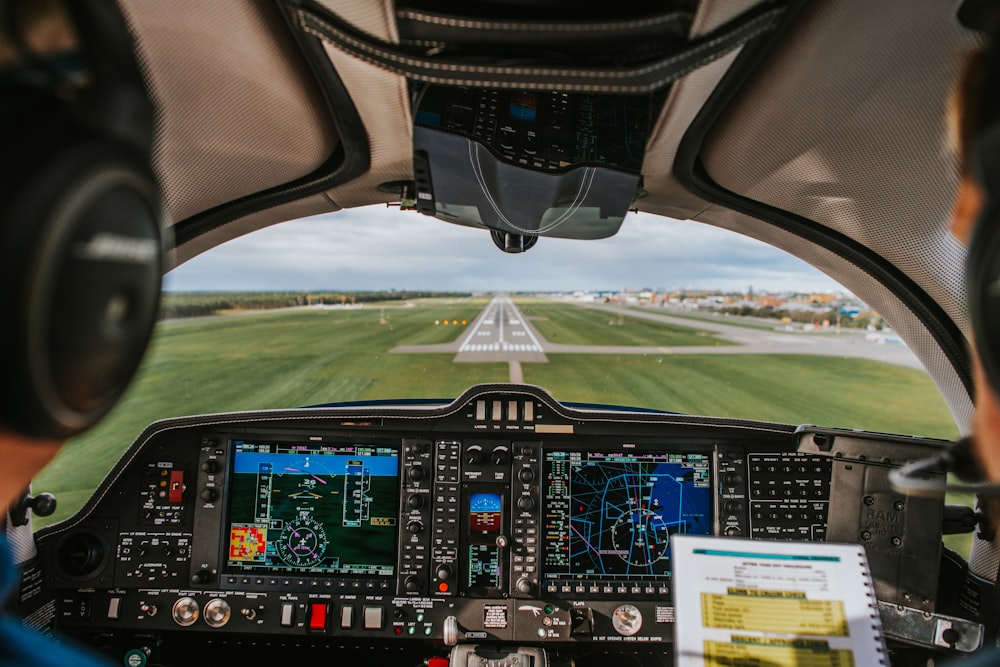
982,284
81,252
983,263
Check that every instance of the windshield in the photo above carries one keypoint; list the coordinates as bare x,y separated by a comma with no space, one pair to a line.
378,304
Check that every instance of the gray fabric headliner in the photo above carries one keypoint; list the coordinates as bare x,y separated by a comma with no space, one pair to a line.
238,111
853,158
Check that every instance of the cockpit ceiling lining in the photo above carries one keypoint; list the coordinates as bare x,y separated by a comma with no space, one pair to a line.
238,110
863,148
685,99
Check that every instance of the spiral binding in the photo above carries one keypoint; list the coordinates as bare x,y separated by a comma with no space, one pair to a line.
873,606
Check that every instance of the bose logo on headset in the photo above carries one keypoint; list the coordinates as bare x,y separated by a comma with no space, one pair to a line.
113,247
80,241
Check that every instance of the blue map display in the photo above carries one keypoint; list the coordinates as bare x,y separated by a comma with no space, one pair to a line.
622,511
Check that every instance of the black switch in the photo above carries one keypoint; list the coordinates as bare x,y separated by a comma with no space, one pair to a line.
581,621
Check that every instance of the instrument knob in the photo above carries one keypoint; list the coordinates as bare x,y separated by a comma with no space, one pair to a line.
201,577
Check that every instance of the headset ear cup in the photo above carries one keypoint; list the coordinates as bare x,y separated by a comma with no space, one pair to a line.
984,292
80,267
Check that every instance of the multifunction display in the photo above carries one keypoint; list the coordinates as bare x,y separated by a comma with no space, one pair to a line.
313,508
609,515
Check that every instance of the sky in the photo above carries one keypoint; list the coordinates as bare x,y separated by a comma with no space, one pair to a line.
381,248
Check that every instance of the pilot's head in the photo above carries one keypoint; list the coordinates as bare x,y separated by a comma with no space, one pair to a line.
975,125
80,250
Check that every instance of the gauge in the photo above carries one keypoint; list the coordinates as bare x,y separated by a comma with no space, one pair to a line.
484,512
640,537
302,542
485,502
627,620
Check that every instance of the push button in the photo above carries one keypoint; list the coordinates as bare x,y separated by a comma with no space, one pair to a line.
347,616
373,618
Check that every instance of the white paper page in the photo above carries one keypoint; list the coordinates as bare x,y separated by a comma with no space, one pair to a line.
794,604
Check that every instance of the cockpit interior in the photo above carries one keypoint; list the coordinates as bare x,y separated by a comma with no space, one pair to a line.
462,507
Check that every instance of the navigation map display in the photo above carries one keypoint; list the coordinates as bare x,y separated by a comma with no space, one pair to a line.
609,516
312,508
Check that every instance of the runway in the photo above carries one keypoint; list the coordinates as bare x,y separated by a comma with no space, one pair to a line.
502,333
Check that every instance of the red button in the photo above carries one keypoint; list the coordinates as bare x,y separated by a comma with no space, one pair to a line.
317,616
176,485
443,587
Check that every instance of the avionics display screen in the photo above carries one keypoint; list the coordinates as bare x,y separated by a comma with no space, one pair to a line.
609,515
313,509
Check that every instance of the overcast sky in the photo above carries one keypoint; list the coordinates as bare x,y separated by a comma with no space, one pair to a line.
377,248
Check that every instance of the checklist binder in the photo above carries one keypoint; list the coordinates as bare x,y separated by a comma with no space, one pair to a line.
752,602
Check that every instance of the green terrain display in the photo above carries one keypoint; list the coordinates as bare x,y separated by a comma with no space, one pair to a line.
313,508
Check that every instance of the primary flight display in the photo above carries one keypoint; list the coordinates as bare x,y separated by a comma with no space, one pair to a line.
310,508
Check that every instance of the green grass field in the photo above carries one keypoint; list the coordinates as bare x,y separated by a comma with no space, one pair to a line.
826,391
271,360
296,357
573,325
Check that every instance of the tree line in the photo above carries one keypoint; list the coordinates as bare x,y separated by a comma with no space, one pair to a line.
199,304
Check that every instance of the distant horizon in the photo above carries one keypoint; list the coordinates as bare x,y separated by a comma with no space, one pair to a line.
398,290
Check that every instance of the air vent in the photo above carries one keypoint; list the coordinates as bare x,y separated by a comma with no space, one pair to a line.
81,555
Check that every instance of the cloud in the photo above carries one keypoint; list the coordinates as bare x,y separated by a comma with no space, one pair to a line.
384,248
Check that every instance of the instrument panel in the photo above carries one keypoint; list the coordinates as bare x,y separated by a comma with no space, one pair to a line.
503,516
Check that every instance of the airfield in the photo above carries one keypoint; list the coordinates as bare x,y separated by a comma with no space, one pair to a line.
502,333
